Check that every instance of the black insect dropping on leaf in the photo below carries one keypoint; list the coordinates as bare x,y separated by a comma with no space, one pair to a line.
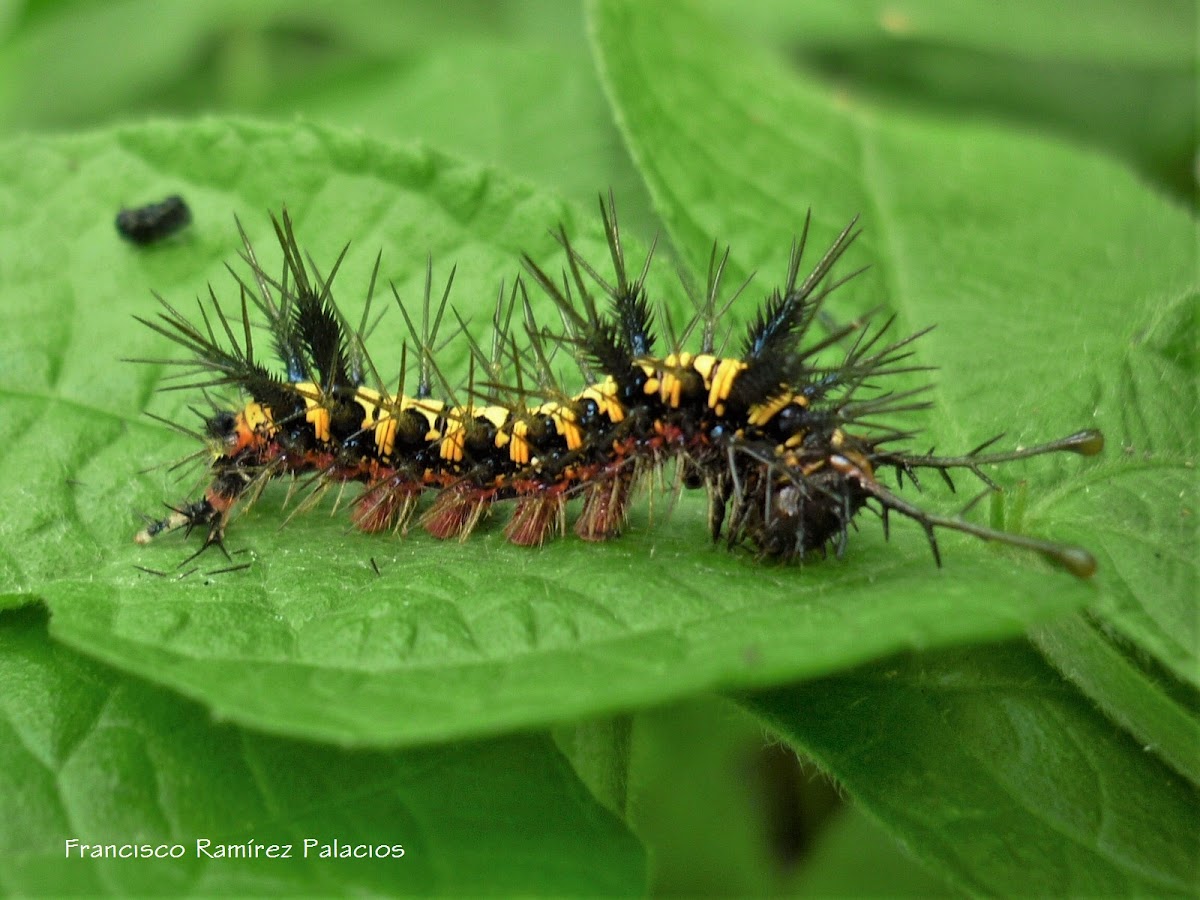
154,222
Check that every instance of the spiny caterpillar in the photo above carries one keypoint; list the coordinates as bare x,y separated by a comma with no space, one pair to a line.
788,448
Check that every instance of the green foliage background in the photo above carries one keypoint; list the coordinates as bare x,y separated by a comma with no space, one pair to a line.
590,720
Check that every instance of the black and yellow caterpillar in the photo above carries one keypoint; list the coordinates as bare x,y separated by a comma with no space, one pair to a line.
789,449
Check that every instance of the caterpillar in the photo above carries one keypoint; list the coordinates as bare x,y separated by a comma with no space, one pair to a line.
788,446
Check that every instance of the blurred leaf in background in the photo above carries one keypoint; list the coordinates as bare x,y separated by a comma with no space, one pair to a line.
511,83
989,150
1113,75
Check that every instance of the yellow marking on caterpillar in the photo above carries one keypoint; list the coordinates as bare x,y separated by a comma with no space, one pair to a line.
318,418
604,395
564,423
497,415
672,385
316,415
720,383
370,400
762,413
519,448
378,419
704,364
518,452
255,416
385,436
451,448
429,410
454,441
252,420
459,422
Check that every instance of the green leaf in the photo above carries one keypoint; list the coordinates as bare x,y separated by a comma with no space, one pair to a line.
854,857
1106,31
1063,289
230,55
16,601
534,108
690,780
1116,76
998,775
89,755
1162,715
447,640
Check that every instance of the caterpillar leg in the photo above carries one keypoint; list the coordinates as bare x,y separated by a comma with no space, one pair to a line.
606,506
387,505
536,518
457,510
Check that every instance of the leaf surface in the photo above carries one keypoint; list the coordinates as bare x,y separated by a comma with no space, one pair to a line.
448,640
998,775
103,759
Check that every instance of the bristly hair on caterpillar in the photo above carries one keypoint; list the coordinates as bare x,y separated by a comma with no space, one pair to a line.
788,445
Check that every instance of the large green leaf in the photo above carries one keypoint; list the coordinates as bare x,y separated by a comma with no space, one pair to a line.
103,759
1063,289
447,640
996,774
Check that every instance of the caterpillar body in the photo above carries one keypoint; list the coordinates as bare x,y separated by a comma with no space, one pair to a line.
788,448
